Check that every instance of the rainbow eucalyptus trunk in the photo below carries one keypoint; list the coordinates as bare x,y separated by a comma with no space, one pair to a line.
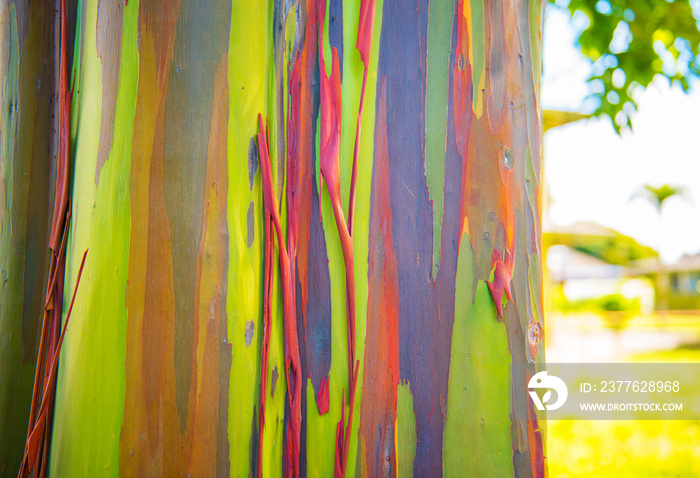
314,240
28,90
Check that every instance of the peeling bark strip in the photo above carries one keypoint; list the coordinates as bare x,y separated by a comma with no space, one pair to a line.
292,365
336,292
36,451
364,43
331,112
35,460
381,368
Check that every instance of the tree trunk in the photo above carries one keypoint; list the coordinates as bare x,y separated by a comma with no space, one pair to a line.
27,166
190,296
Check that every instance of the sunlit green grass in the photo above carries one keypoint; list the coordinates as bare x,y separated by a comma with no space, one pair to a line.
672,321
619,449
636,449
683,354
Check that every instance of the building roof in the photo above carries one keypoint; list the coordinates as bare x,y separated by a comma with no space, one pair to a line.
653,266
565,264
580,228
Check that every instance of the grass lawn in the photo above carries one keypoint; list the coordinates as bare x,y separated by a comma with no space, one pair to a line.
683,354
620,449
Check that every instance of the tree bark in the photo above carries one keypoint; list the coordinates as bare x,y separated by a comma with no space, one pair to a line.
27,173
160,372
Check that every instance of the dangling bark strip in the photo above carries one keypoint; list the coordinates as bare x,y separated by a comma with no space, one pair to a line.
267,300
363,45
331,114
291,342
41,428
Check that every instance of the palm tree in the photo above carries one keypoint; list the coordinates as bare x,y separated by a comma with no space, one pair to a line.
658,196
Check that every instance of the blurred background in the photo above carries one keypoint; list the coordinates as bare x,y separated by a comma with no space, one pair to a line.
621,234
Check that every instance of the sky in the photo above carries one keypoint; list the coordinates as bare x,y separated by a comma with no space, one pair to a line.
591,173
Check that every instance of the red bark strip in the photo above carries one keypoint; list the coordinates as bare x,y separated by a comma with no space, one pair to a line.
312,277
381,366
364,44
502,273
35,438
338,467
293,178
323,399
267,279
302,120
39,428
365,29
331,114
330,153
62,171
291,343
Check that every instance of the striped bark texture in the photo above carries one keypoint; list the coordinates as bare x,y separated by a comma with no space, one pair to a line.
313,230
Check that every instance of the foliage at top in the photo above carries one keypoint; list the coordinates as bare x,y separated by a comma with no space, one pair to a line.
630,43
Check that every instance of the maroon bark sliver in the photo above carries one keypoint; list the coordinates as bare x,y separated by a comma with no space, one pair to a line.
323,399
